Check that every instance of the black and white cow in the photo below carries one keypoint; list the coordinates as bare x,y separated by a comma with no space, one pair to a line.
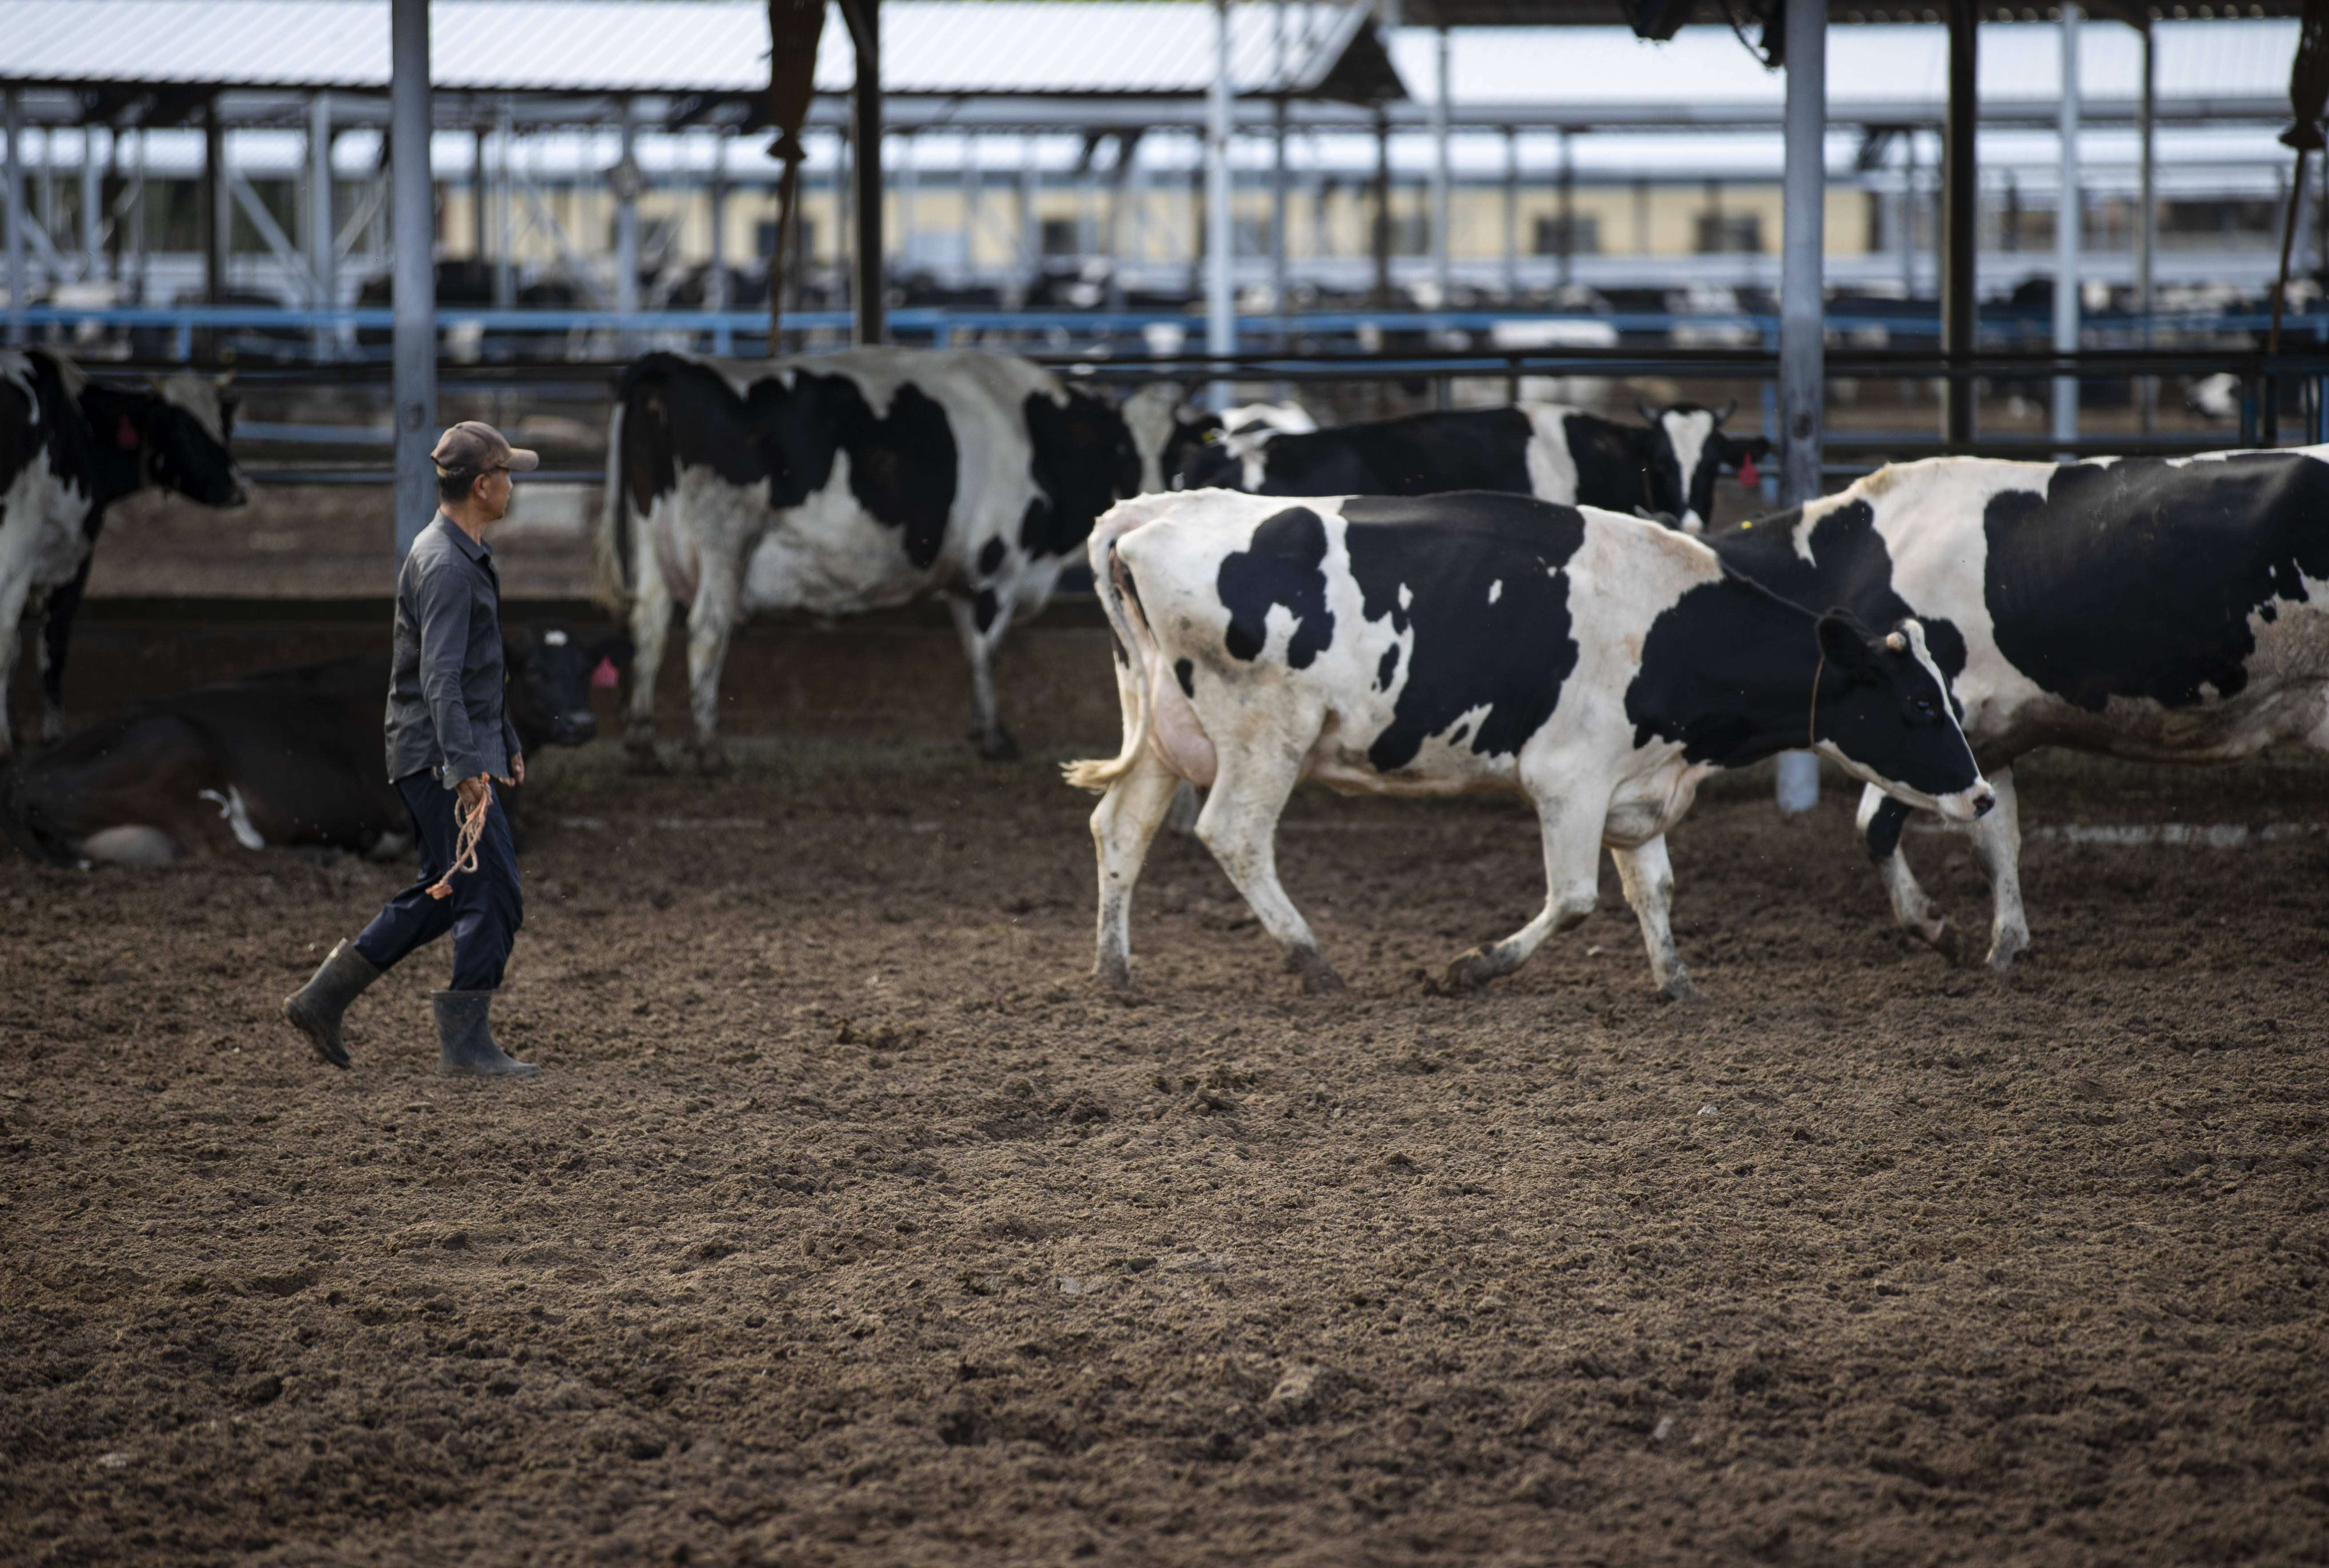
1597,664
851,482
71,448
287,759
1666,466
2154,609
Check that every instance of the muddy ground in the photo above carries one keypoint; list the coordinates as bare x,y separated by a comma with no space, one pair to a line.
848,1224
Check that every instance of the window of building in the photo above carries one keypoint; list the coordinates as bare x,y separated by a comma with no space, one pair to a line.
2241,222
1730,234
1579,236
1059,236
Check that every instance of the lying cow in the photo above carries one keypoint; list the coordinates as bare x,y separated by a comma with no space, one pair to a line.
2155,610
852,481
1597,664
1666,465
70,448
287,759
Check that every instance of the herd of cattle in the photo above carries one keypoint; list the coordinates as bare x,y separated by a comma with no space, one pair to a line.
1522,598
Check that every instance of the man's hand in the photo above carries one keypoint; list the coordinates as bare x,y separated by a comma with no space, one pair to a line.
517,768
472,793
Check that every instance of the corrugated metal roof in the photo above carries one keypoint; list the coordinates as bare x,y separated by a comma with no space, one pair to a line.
929,47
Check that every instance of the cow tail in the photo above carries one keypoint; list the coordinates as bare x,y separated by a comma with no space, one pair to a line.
1134,645
610,557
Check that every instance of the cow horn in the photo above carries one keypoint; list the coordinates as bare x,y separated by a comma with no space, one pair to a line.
1642,405
1730,407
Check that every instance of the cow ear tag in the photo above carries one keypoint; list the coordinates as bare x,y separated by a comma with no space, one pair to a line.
1747,474
604,675
126,436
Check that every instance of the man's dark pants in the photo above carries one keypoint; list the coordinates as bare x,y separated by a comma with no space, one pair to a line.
485,910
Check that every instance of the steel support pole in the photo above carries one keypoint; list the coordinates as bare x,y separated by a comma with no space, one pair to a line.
92,202
17,279
1221,300
2066,226
1512,214
216,217
414,270
865,143
1803,360
715,281
504,224
627,182
1442,276
2146,227
1960,225
320,233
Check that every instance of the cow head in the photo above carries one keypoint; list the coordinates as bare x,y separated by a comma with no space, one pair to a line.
1881,709
183,426
1686,451
551,674
1169,436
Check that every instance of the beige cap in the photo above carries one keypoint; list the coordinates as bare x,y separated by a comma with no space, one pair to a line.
473,446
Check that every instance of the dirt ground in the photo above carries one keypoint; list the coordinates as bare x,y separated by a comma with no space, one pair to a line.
849,1224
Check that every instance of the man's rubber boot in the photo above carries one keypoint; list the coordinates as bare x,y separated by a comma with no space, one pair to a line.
465,1041
314,1009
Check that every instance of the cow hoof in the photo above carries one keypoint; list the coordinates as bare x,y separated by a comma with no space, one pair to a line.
710,761
1115,976
997,747
1945,942
1465,972
639,757
1322,981
1679,989
2006,948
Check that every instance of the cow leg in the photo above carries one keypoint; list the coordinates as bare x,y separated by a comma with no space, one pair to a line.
650,626
1240,826
1880,820
1647,877
11,621
56,633
1572,862
995,742
710,620
1122,827
1998,845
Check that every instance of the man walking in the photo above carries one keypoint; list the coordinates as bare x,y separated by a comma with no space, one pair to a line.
449,738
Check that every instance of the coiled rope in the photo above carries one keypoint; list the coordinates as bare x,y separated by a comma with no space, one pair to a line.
464,844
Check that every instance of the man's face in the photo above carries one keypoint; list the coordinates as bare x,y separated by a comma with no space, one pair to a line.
492,492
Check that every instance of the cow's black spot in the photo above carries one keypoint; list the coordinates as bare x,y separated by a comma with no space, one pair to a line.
2136,578
1613,463
1083,461
990,555
1426,454
984,607
901,468
1284,565
1854,572
1389,669
1510,657
1884,829
1186,674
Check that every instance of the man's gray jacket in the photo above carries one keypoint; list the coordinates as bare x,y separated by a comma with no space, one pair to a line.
445,711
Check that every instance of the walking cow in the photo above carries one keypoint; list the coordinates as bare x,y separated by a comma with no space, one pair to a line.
847,482
1599,665
71,448
1666,465
2154,609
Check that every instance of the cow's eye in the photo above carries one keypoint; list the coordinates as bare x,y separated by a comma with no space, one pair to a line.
1924,705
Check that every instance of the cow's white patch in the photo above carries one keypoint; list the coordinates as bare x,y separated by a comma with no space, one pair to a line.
553,638
201,396
130,844
1405,596
1495,590
1551,465
236,812
1688,434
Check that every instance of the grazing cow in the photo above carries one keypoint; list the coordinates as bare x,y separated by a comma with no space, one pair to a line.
71,448
1666,465
287,759
851,482
2153,609
1599,665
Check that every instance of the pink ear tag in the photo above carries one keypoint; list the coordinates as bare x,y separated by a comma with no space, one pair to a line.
126,437
604,675
1746,475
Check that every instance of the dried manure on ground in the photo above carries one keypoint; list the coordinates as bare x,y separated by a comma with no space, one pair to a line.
850,1222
